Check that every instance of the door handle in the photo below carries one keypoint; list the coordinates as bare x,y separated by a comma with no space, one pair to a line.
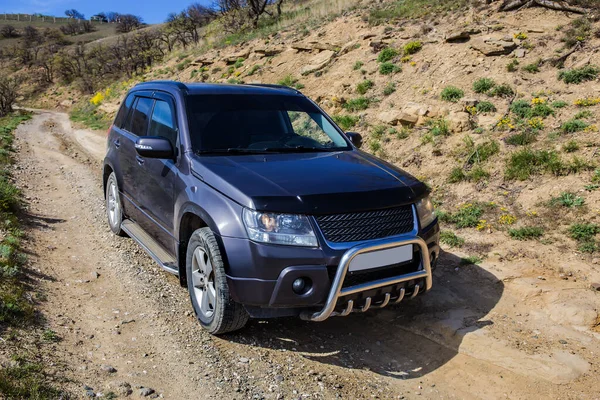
117,143
140,160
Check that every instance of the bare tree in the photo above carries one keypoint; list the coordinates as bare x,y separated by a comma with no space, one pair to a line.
72,13
128,23
8,94
508,5
112,16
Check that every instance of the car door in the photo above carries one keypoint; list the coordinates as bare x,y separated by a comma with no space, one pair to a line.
158,176
136,125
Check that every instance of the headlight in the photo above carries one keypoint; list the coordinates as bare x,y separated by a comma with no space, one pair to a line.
425,211
289,229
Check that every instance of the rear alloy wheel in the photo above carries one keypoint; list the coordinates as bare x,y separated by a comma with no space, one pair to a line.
207,285
114,211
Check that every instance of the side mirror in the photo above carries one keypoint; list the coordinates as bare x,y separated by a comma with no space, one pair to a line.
355,138
154,147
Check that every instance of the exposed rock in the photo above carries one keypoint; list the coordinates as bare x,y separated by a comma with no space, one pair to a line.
302,46
324,46
318,62
146,391
232,58
268,51
493,47
459,121
202,61
395,117
368,36
520,53
469,102
122,389
457,36
377,45
347,48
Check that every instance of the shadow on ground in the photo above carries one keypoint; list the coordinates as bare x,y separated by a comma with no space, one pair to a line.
405,341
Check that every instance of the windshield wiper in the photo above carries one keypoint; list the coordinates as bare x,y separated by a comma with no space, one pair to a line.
233,150
300,149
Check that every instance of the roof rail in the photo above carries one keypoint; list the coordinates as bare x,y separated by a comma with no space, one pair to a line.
179,85
271,85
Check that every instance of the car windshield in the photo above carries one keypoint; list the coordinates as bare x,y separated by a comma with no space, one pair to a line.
240,124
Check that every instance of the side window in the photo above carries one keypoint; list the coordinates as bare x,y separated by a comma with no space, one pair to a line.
163,123
141,116
124,111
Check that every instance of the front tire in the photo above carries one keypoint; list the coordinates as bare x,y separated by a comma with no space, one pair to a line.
114,210
208,288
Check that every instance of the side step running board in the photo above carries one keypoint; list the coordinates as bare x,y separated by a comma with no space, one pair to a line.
150,246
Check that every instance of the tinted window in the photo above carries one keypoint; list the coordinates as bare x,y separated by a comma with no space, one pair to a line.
124,111
140,116
257,123
163,123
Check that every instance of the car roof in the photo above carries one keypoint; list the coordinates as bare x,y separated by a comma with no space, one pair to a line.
219,88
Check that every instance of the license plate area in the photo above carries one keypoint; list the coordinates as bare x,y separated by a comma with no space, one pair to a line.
381,258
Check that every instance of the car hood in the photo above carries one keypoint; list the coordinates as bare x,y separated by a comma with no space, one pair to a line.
309,183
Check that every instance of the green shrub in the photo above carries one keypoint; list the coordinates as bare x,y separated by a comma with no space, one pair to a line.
451,239
292,82
358,104
526,233
483,85
585,114
522,108
579,75
471,260
452,94
574,125
90,116
388,68
478,174
439,127
559,104
541,110
389,88
485,107
239,63
588,247
524,163
358,65
503,90
571,146
467,216
584,232
345,121
378,131
483,151
522,139
387,54
253,70
567,199
512,66
457,175
412,47
533,68
375,145
364,86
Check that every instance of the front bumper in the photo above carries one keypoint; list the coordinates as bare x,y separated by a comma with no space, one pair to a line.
260,276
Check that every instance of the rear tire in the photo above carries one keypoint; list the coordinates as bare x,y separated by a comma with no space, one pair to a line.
114,210
207,285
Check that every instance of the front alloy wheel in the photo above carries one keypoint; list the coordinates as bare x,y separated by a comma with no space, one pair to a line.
203,279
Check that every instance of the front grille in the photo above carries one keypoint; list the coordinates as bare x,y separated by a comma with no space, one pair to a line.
354,227
389,271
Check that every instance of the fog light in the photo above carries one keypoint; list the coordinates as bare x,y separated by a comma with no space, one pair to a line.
299,285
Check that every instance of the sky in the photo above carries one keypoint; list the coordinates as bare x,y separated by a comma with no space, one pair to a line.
152,11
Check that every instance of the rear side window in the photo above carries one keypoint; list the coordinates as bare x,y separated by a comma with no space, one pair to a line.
141,116
124,111
163,123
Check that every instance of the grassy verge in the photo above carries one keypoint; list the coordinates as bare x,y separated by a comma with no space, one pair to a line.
90,116
23,378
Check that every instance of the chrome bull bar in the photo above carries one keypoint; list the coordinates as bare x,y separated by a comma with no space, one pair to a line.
337,291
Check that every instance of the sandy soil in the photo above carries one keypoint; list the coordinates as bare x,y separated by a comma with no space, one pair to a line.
508,328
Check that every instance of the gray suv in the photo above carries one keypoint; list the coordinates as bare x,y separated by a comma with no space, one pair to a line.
262,206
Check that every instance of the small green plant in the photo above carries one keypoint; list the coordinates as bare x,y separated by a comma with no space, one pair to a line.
452,94
254,70
527,162
412,47
457,175
50,336
358,104
513,65
389,88
471,260
542,110
485,107
439,127
387,54
388,68
403,133
467,216
451,239
358,65
520,36
239,63
482,152
378,131
526,233
483,85
585,234
573,125
375,145
290,81
570,147
567,199
532,68
90,116
522,108
345,121
522,139
559,104
478,174
579,75
588,247
585,114
503,90
364,86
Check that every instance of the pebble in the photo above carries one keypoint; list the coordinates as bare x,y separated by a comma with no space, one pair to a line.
596,286
146,391
562,341
244,360
108,368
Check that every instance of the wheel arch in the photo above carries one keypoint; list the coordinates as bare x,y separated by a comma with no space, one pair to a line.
107,170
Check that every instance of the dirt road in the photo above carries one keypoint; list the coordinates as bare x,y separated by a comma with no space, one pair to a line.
505,329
